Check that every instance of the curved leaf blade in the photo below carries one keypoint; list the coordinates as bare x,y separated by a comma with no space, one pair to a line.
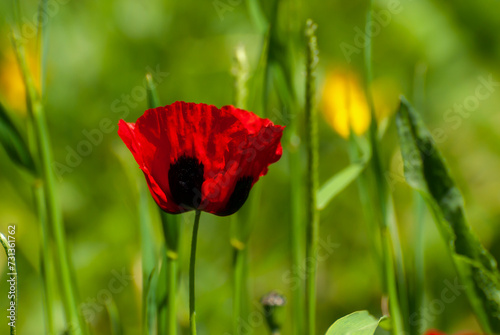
426,171
338,183
344,178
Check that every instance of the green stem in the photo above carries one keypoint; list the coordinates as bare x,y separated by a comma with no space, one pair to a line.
385,228
241,224
239,284
297,234
54,215
367,204
36,112
46,254
12,271
419,272
172,266
192,312
312,229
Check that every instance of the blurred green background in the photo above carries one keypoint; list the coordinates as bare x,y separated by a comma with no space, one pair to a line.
98,53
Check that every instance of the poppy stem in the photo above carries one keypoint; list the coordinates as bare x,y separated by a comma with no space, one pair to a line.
192,312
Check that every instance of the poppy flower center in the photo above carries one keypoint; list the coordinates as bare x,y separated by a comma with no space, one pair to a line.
185,178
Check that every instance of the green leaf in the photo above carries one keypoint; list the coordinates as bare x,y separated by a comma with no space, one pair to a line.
357,323
344,178
14,144
426,171
338,183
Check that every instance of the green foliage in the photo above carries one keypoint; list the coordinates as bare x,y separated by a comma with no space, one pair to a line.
338,182
357,323
426,171
13,142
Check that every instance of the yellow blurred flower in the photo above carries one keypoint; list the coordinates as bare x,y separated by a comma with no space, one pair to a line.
12,89
345,105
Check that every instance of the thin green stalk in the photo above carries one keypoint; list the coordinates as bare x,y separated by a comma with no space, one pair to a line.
148,259
42,41
239,286
297,234
390,285
417,326
46,258
149,254
172,271
312,232
11,258
367,204
241,224
192,261
171,233
37,114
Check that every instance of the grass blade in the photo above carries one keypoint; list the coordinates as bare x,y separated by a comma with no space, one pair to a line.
342,179
171,233
426,171
241,224
54,213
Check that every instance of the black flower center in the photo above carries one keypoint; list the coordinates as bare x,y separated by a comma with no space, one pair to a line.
185,178
238,197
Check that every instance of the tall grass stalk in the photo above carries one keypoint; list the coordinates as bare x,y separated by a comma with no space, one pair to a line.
54,214
240,224
47,266
148,259
171,233
312,231
382,198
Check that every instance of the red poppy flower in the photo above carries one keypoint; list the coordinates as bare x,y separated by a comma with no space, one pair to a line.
196,156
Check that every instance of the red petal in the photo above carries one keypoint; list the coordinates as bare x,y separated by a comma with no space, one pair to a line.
142,151
230,143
